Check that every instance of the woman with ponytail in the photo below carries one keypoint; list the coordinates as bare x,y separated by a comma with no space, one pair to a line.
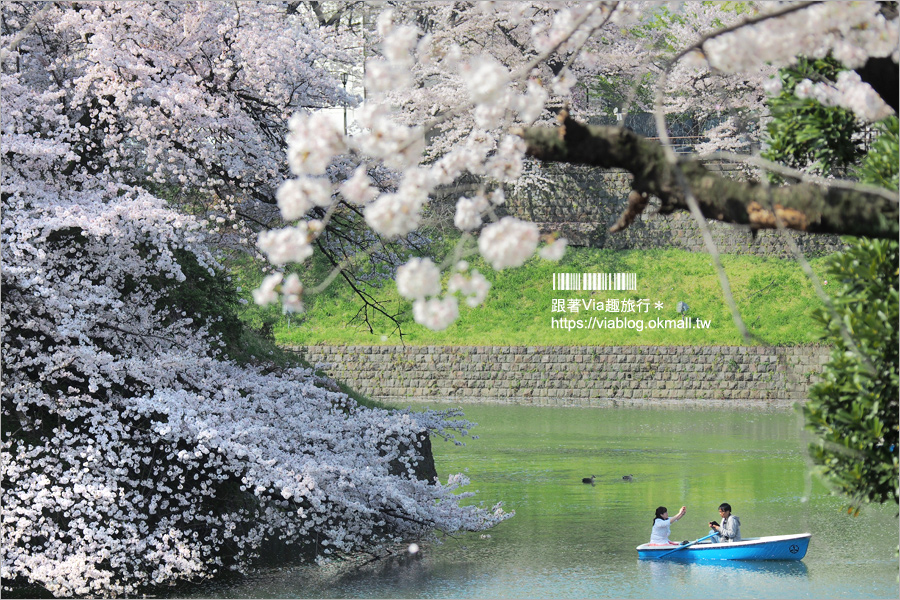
661,524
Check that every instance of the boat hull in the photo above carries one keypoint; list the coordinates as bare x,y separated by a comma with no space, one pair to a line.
775,547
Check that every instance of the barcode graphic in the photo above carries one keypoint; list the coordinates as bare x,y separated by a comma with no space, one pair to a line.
576,282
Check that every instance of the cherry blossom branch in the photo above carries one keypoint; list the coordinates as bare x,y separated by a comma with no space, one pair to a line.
368,300
520,74
671,158
392,513
775,215
803,206
788,172
341,267
324,21
587,37
741,24
23,33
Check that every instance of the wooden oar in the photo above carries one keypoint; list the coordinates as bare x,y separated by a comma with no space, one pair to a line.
683,546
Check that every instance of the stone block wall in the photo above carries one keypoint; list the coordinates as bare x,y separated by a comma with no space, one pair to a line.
576,375
583,202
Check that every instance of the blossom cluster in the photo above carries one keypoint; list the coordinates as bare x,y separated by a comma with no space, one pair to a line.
847,92
143,456
474,288
508,242
419,278
421,69
496,95
851,31
436,313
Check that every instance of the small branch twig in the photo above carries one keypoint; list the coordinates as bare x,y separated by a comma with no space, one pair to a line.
820,292
14,43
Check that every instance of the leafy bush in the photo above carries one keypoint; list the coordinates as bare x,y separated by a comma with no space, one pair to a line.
854,408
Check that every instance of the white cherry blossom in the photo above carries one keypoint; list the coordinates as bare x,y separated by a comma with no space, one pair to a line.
848,92
474,288
293,294
266,293
313,141
436,314
555,250
296,196
469,211
395,214
508,242
486,78
290,244
358,188
418,278
126,420
773,86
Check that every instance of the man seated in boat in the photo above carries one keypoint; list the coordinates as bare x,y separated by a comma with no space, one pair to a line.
730,529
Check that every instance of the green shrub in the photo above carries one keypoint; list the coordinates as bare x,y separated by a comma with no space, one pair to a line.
854,409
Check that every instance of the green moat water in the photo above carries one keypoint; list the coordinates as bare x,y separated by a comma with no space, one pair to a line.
572,540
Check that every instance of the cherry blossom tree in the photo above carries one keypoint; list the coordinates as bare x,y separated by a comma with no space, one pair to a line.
191,101
135,452
170,94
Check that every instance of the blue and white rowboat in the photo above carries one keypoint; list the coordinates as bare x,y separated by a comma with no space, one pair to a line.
773,547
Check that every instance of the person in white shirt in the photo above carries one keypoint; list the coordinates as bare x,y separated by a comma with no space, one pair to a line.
661,524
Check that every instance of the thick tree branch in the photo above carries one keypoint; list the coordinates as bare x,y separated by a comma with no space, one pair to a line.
802,206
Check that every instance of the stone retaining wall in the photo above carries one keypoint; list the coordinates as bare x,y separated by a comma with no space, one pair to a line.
578,375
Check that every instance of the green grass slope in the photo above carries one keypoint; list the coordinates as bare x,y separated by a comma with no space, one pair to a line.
775,299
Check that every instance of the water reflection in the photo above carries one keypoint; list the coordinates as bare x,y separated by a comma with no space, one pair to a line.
660,570
727,579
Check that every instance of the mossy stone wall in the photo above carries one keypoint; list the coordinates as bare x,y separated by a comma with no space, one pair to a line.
575,375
